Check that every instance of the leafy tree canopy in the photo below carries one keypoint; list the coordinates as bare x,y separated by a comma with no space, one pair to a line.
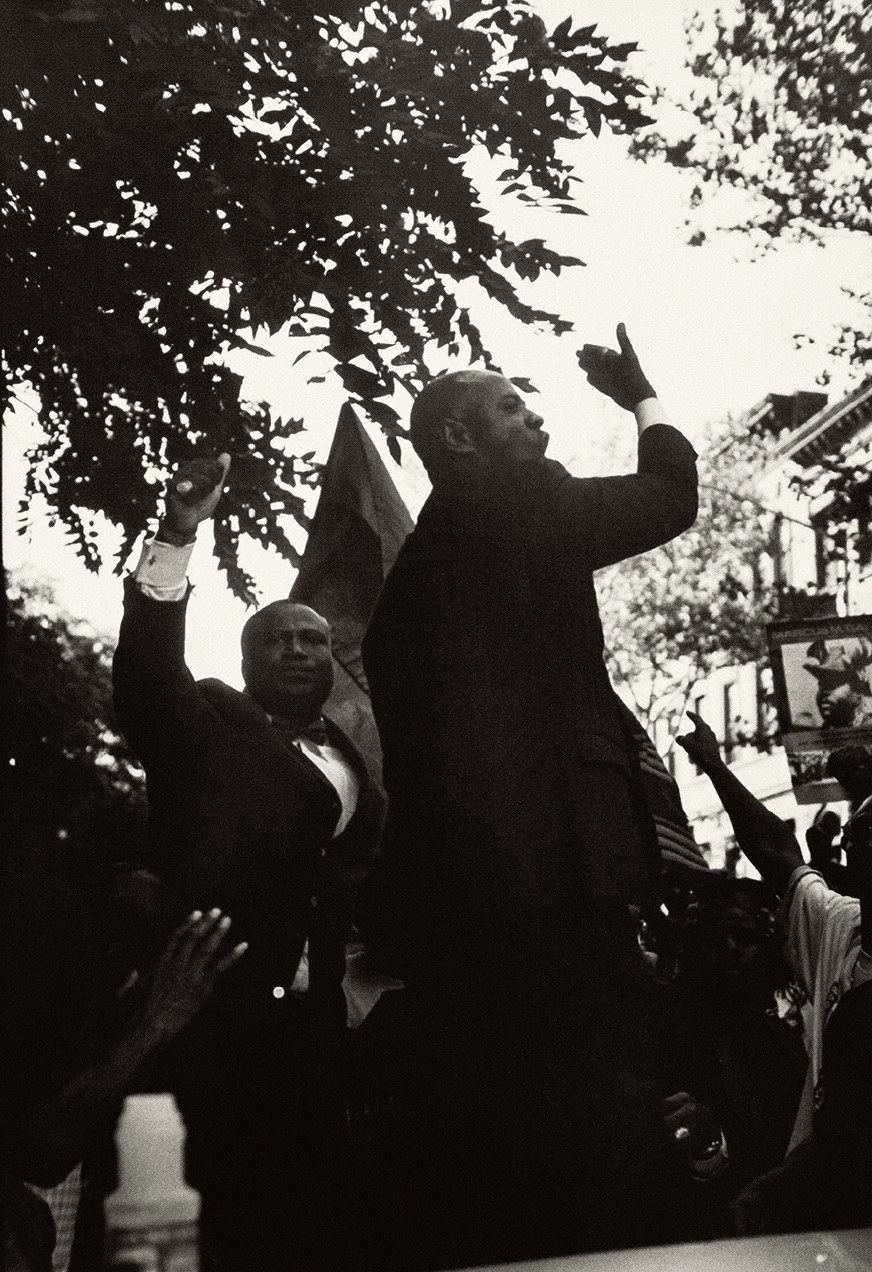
183,174
74,794
779,103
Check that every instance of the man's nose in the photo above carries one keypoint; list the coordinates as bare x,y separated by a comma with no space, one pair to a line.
534,420
295,647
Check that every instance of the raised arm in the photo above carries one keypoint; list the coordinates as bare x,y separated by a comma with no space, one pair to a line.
168,996
613,518
156,699
765,840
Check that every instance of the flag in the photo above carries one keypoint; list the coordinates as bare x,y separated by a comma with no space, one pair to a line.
674,834
357,530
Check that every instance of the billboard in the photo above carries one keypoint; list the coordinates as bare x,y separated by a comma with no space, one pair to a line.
822,673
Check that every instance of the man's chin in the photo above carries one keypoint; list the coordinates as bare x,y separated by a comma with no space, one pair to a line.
295,702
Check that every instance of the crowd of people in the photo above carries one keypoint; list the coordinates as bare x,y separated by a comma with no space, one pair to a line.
479,1015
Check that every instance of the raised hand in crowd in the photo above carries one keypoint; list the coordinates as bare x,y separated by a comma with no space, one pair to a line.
185,974
768,842
160,1002
701,745
616,374
192,496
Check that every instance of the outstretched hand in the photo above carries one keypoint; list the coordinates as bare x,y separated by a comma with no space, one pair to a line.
701,745
193,492
186,972
617,374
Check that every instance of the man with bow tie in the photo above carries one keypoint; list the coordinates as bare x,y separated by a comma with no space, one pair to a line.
262,808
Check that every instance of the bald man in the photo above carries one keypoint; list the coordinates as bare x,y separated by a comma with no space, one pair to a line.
262,808
517,838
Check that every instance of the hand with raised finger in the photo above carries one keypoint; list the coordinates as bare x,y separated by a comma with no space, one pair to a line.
616,373
701,745
192,496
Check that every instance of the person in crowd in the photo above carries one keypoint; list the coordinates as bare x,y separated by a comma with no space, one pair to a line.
48,972
824,1182
517,835
743,1063
828,935
823,841
851,766
74,1055
261,807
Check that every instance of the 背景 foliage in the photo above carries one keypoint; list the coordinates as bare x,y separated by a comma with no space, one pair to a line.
674,615
780,104
182,174
74,794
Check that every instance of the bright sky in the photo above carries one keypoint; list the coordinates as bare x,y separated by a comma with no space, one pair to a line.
713,328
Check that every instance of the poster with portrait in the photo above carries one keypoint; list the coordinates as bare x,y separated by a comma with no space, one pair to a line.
822,674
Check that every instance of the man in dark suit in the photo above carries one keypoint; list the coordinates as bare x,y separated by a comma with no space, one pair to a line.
261,808
517,836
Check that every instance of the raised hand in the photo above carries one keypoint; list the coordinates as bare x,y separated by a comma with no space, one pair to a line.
192,494
701,745
186,973
617,374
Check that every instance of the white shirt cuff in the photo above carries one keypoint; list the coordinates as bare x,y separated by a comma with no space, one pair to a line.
162,570
649,411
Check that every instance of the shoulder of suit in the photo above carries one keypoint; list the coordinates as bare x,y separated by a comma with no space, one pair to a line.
229,702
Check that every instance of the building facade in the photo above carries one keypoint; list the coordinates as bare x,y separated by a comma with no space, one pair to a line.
821,560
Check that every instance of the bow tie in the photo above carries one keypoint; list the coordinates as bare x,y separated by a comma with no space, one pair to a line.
316,732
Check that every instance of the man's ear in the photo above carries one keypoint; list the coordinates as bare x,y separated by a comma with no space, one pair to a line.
456,436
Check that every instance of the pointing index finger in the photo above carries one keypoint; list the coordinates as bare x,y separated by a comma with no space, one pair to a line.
624,341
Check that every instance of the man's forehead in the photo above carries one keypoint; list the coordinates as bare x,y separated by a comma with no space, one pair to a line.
472,387
291,616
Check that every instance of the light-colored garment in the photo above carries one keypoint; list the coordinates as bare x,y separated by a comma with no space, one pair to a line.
824,952
163,569
363,986
63,1202
339,774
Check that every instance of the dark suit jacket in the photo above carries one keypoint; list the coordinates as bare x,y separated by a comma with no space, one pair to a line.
485,663
238,818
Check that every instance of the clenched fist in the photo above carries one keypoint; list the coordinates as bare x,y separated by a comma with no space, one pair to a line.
192,495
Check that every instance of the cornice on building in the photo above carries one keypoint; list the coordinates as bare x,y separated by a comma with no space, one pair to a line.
824,434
